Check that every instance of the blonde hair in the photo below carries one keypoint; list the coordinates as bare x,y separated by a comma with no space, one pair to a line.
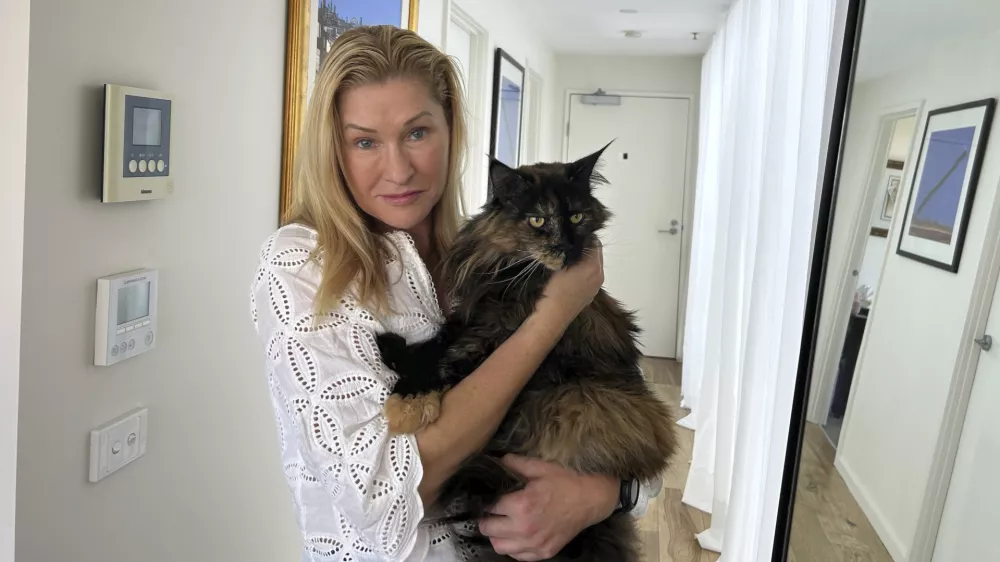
352,254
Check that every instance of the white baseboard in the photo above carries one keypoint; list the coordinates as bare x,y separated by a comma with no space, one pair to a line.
879,522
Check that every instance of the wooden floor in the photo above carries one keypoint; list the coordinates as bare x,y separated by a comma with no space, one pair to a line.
668,528
827,525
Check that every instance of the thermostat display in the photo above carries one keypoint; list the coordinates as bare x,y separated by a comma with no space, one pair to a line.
126,316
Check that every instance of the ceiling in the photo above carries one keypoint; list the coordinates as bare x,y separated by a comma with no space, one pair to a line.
896,34
597,26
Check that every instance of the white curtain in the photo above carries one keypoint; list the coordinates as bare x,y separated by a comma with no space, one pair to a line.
764,89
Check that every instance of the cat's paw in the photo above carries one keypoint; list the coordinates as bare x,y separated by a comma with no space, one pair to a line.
392,348
412,413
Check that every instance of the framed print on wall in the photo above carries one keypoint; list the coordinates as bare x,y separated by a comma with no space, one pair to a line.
312,27
944,183
889,198
508,101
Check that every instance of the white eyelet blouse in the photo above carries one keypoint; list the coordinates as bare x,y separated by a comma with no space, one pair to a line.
354,486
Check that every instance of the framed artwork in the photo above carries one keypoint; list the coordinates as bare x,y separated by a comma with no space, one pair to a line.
508,101
312,27
944,183
889,198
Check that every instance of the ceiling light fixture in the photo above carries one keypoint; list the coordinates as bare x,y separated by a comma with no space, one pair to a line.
628,11
694,35
633,34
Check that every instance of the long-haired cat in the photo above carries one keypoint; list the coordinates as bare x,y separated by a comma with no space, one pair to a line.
587,407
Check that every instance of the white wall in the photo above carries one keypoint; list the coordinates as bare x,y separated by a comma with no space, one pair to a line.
14,26
673,75
912,340
210,487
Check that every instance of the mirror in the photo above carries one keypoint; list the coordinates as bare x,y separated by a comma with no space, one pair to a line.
900,443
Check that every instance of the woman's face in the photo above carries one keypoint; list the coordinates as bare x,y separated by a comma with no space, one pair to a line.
396,150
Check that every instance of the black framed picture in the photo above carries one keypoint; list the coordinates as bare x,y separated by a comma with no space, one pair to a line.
944,184
508,101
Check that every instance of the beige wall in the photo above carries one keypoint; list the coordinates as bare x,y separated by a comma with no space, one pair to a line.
210,487
14,23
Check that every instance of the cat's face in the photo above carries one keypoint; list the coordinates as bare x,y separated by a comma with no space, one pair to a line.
548,211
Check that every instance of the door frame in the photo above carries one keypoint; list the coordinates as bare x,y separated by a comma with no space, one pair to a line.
531,129
959,391
825,365
476,84
687,213
15,16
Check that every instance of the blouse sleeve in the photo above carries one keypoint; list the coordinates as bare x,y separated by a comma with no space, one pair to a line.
327,381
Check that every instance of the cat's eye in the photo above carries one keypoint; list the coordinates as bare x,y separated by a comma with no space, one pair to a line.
575,219
536,222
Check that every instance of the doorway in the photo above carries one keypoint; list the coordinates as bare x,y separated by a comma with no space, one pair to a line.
887,175
646,168
968,520
467,42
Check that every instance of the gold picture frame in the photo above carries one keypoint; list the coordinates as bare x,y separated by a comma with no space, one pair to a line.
300,40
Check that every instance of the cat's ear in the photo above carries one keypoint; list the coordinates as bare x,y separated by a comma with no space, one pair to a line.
583,169
505,182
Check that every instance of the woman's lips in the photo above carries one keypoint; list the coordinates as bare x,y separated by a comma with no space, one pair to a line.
404,198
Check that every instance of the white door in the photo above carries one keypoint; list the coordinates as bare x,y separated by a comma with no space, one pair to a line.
460,48
646,167
971,515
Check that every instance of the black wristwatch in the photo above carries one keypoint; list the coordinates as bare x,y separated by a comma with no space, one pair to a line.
628,495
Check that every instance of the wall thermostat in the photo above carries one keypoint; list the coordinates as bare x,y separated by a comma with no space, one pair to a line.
137,163
126,316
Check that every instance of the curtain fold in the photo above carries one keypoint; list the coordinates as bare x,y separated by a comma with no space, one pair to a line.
763,97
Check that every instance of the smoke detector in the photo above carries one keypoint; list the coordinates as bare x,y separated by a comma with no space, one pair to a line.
633,34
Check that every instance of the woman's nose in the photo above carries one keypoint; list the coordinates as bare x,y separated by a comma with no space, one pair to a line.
398,168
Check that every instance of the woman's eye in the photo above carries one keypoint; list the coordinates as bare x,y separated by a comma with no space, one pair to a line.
364,143
418,133
575,219
536,222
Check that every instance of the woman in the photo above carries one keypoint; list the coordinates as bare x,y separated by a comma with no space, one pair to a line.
376,204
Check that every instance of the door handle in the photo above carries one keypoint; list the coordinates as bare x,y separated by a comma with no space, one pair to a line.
671,230
985,342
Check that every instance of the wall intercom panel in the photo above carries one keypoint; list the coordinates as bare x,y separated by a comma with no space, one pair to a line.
137,164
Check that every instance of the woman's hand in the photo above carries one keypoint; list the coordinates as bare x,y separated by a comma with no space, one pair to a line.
572,289
535,523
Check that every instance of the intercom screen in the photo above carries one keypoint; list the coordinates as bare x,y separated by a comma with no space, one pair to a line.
146,126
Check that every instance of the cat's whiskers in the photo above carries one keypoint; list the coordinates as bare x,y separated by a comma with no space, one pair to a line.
524,284
523,276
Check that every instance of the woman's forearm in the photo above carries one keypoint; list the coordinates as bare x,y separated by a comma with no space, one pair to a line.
473,409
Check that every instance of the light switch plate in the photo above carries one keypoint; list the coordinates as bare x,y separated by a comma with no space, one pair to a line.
117,443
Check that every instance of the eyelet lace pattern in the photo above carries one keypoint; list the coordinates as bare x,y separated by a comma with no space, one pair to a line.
353,485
